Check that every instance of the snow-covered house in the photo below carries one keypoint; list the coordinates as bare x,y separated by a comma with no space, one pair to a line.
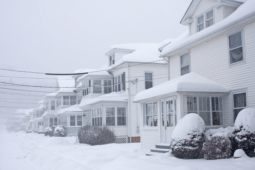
210,70
107,95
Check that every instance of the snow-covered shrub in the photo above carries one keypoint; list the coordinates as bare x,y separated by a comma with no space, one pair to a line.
49,131
244,131
60,131
218,147
224,132
188,137
96,135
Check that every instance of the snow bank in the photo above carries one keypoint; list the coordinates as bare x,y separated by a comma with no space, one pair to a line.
246,118
239,153
188,125
224,132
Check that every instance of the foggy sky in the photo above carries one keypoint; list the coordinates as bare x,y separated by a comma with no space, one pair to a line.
62,36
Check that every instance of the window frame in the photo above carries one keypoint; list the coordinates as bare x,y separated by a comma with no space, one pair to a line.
238,91
187,53
114,112
243,48
118,85
68,101
52,106
79,121
204,14
117,116
98,86
107,86
71,121
148,72
152,114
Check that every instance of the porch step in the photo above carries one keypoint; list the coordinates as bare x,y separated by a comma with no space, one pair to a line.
163,146
158,150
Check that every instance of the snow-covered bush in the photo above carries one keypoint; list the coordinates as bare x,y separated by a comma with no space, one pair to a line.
188,137
96,135
218,147
60,131
224,132
49,131
244,131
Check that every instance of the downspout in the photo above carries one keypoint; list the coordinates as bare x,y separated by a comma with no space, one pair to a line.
129,112
168,68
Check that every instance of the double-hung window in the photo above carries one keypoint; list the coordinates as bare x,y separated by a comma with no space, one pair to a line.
58,101
72,100
110,116
205,20
185,61
111,60
236,47
239,103
72,120
97,86
79,120
150,114
52,105
65,100
51,121
148,80
93,118
115,84
55,121
107,86
119,83
121,116
64,120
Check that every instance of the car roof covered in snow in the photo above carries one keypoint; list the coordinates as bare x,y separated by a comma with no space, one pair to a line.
191,82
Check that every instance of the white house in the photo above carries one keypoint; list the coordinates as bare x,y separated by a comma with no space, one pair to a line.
211,71
108,93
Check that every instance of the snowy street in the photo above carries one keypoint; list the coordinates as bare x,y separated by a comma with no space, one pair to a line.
37,152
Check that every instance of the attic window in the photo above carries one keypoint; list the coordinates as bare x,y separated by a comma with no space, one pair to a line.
205,20
111,60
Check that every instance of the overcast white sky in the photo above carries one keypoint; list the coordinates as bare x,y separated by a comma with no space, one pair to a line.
65,35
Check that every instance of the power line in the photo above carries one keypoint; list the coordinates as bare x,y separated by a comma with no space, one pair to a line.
16,102
21,94
26,90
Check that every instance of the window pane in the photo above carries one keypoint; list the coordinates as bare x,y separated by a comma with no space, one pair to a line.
148,84
169,119
148,76
72,100
110,112
66,100
235,40
209,23
236,111
209,14
185,70
200,27
110,121
200,19
206,117
72,120
240,100
185,60
79,120
217,118
97,86
52,105
121,116
236,55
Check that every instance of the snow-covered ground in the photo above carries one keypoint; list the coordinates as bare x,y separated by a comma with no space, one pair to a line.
20,151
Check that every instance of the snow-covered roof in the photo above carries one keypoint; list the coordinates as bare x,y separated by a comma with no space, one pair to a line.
111,97
65,84
191,82
74,108
93,72
141,52
245,10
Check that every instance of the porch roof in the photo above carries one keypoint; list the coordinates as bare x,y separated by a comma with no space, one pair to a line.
111,97
74,108
191,82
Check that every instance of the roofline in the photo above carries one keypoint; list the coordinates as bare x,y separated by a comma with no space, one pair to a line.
99,101
211,35
118,49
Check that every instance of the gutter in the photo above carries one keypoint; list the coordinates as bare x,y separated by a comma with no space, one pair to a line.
209,36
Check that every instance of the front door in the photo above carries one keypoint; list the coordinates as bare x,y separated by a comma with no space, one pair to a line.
167,119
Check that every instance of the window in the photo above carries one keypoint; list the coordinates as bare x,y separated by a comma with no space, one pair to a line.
107,86
51,121
239,103
110,116
119,82
58,101
111,60
121,116
47,106
87,119
209,108
64,120
79,120
72,100
115,84
169,113
97,86
99,117
93,118
205,20
55,121
185,64
150,113
236,47
84,92
148,80
52,105
66,100
72,120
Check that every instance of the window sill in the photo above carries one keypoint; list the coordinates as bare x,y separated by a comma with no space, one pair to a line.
237,64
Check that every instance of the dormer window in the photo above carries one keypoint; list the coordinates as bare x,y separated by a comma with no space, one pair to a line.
205,20
111,60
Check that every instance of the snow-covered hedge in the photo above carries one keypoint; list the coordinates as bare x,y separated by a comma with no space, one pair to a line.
244,132
60,131
49,131
188,137
217,147
93,135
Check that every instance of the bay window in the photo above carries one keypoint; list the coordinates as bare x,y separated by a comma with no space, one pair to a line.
107,86
209,108
72,120
51,121
239,102
64,120
121,116
150,114
97,86
72,100
55,121
110,116
236,47
148,80
52,105
185,64
65,100
79,120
